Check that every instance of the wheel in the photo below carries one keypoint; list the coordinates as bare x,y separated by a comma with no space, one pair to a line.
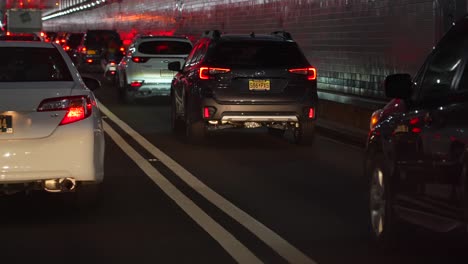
305,133
176,124
276,132
384,225
195,131
128,96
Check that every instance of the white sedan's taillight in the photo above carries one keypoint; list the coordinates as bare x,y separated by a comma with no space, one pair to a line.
77,107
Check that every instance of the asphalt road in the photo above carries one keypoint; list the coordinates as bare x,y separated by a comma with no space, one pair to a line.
242,196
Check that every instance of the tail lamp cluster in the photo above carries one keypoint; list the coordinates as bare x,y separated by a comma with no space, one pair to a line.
140,59
310,72
77,107
207,73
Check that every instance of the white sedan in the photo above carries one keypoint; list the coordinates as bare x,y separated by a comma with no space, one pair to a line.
51,131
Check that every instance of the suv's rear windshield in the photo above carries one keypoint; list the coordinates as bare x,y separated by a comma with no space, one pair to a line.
257,53
25,64
101,38
164,47
74,40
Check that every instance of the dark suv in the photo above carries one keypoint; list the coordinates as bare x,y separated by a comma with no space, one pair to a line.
95,47
245,81
417,150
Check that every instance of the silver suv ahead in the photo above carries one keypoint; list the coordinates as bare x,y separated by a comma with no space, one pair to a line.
143,72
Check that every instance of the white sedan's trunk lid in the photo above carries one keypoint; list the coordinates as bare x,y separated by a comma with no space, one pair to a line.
19,118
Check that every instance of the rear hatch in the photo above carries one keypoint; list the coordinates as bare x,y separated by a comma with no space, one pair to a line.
19,118
97,41
149,62
29,75
259,72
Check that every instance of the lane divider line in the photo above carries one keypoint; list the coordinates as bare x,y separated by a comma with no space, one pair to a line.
233,246
262,232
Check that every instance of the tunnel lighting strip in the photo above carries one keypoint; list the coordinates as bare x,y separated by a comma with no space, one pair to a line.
75,9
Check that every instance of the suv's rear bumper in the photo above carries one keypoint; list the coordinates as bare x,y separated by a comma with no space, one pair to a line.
258,112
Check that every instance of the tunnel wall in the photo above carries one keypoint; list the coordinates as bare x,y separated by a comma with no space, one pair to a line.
353,43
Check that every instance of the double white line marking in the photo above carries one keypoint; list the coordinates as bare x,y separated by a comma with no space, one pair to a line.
233,246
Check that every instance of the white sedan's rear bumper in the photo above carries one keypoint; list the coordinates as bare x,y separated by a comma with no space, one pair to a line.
72,151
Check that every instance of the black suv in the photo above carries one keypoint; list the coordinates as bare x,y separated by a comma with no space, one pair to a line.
245,81
94,47
417,150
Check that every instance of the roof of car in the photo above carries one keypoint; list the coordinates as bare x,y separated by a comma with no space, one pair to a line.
145,37
31,44
247,37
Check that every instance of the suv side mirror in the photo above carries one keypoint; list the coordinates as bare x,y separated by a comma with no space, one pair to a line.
174,66
91,83
398,86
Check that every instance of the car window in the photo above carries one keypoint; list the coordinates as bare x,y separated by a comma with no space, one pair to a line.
24,64
164,47
440,76
192,55
463,84
74,40
257,53
100,38
200,54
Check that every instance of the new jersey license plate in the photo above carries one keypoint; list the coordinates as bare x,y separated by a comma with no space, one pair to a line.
6,124
259,85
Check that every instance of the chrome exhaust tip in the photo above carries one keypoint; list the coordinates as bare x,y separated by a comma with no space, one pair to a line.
59,185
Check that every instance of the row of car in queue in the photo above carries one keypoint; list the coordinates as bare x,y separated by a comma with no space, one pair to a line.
417,151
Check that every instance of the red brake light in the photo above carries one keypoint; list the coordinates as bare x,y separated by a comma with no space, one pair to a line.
207,72
122,49
311,72
206,112
414,121
311,113
136,84
139,59
67,47
83,49
77,107
89,61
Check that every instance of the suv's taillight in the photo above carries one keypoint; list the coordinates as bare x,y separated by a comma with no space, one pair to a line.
139,59
77,107
311,72
207,72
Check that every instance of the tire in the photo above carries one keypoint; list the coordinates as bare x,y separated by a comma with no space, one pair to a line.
128,97
305,133
125,96
385,228
195,132
276,132
177,125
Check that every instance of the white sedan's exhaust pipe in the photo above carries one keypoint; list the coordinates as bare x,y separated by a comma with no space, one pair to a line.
59,185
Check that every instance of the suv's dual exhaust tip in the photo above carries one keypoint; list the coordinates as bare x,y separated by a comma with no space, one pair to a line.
60,185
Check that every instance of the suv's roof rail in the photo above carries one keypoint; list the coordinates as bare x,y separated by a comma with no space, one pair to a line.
284,34
212,34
